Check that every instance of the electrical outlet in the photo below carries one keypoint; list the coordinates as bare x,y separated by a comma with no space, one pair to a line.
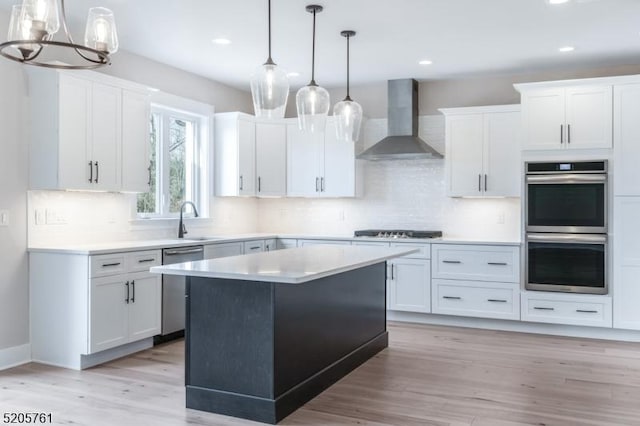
55,217
4,217
500,218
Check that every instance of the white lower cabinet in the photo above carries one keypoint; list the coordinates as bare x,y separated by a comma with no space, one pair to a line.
255,246
270,244
304,243
569,309
476,280
215,251
476,299
408,285
626,263
286,243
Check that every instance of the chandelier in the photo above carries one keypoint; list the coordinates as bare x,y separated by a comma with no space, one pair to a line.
34,23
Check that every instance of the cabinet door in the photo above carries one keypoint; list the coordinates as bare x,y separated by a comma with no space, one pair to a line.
303,152
589,117
339,165
501,154
108,313
271,159
627,136
543,115
75,135
145,305
464,155
271,244
106,135
626,260
135,142
246,158
409,285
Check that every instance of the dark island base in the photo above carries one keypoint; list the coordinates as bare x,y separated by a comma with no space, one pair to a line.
260,350
272,411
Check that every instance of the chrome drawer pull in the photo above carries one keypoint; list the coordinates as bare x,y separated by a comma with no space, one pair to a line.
586,311
451,261
497,300
497,263
452,297
538,308
145,260
106,265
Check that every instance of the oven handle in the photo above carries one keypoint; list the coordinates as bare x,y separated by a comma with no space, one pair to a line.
567,178
568,238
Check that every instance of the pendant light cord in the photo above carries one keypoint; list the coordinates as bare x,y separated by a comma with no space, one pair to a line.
348,98
313,52
269,60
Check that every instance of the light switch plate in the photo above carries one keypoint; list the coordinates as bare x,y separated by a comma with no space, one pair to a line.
4,217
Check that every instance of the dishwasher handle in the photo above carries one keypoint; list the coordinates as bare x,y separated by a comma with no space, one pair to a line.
186,251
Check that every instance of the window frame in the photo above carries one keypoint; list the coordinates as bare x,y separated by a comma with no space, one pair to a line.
169,106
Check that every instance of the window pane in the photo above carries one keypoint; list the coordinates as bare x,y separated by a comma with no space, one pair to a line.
181,148
147,203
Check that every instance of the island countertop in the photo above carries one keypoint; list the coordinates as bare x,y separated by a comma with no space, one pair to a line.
291,266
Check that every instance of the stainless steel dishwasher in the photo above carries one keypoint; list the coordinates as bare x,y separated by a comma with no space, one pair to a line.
173,290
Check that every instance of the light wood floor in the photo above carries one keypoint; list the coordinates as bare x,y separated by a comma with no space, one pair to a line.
428,376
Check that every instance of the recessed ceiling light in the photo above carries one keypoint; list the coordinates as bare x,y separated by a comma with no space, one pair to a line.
557,1
565,49
222,41
425,62
293,74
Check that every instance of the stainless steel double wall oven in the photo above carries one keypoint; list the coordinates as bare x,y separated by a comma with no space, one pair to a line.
566,226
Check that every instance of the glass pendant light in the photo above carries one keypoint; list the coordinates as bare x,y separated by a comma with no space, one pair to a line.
100,33
269,87
312,101
348,114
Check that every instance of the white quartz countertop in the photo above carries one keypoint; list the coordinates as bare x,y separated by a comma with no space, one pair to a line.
291,266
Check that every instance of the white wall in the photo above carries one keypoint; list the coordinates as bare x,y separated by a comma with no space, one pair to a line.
14,289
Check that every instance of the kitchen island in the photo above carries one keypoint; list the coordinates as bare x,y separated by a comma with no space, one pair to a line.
267,332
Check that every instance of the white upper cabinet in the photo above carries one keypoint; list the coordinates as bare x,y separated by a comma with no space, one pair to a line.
79,123
271,159
235,155
627,137
483,151
319,165
573,117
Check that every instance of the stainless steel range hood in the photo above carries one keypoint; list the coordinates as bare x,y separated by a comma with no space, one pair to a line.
403,142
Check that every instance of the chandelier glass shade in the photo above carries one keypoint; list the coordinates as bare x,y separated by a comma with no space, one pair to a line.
347,113
34,23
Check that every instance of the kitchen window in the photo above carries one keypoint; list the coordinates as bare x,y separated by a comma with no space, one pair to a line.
178,163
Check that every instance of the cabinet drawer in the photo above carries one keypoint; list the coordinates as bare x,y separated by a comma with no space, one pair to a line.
253,246
108,264
476,263
424,253
595,312
476,299
140,261
286,243
305,243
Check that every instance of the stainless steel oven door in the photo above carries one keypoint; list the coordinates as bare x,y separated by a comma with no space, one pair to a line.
568,203
571,263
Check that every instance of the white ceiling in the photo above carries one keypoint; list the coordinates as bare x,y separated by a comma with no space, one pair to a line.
461,37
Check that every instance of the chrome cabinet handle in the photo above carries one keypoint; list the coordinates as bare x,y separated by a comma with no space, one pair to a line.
568,133
479,183
133,296
561,134
497,300
188,251
90,171
451,261
259,184
145,260
485,183
539,308
149,170
127,298
317,180
393,277
587,311
106,265
241,183
452,297
497,263
321,184
97,171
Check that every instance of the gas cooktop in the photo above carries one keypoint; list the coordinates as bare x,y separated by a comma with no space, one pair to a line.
397,233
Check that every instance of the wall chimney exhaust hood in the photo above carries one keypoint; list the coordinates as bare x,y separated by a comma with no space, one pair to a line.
403,142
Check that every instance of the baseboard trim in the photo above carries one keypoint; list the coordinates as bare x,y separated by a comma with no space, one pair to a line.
517,326
88,361
14,356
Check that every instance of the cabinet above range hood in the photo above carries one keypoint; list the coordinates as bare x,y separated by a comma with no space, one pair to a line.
403,142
